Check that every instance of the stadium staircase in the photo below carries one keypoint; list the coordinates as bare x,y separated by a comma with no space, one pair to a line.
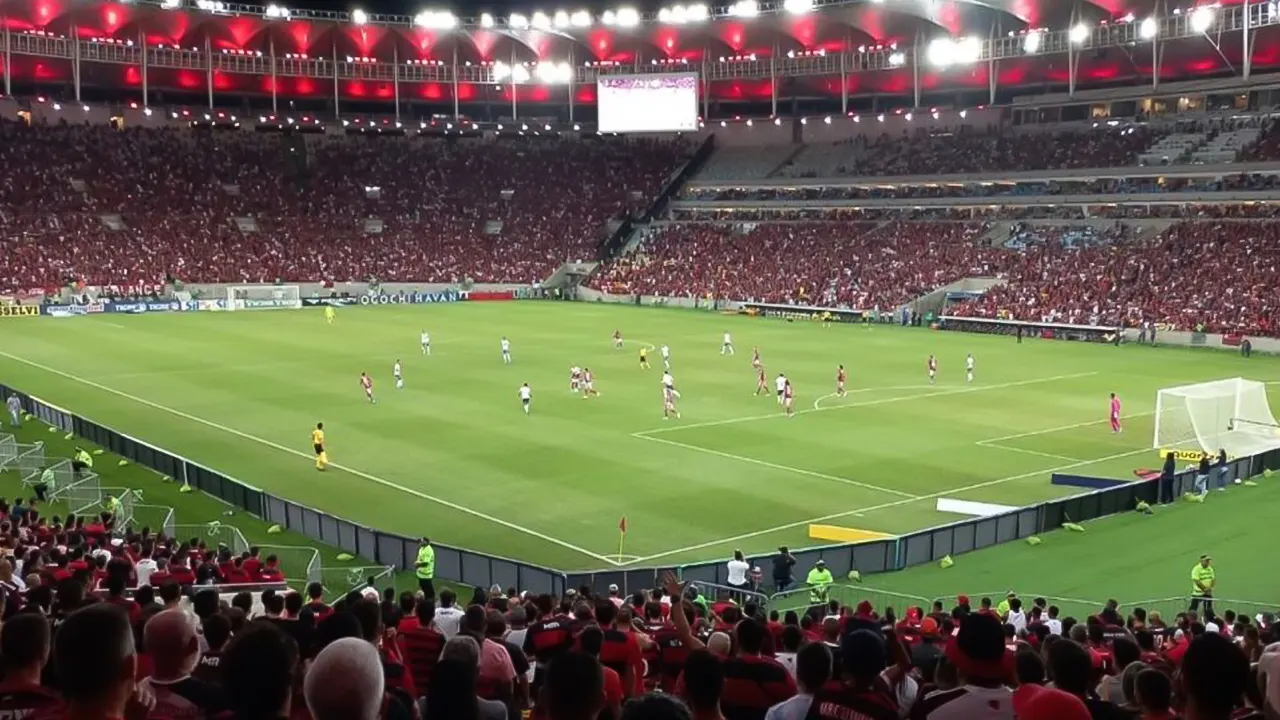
935,300
84,493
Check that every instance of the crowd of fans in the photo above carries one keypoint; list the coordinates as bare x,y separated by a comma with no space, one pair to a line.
665,654
496,210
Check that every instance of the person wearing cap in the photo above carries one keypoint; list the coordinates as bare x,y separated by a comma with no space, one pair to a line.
1203,581
783,574
1036,702
819,581
982,666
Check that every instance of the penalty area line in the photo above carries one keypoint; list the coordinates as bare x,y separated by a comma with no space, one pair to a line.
299,453
817,403
1007,448
885,506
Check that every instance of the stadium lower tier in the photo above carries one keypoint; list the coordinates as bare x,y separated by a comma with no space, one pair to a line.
1222,276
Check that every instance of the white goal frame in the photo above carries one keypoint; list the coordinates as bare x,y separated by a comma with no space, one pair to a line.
1232,415
264,297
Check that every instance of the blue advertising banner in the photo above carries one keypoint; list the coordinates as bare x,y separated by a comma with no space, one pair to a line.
74,310
414,298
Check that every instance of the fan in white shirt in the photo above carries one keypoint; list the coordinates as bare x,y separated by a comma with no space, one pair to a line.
738,569
448,619
144,568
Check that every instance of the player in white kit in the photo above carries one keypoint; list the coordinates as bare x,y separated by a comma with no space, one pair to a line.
575,378
726,347
526,397
395,372
968,366
669,384
781,385
666,357
426,343
506,350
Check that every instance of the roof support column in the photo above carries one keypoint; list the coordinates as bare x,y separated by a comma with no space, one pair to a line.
271,47
773,81
706,89
8,57
337,112
993,65
457,113
1246,38
208,69
75,61
1156,54
142,43
844,85
915,72
395,78
514,86
573,72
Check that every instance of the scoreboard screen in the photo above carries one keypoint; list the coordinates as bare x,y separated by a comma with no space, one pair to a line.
648,103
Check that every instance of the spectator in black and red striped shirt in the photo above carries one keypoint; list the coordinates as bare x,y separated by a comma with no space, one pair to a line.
620,650
865,690
547,637
421,645
753,683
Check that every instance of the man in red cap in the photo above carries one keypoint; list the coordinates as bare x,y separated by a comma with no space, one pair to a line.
977,651
1036,702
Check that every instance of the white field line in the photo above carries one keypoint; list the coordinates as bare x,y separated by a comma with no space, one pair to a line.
1051,456
1060,428
649,345
886,506
776,466
299,453
818,402
868,403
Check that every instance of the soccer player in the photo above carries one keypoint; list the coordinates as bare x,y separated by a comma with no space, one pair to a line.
669,403
617,339
329,314
968,366
575,375
726,347
780,384
666,357
840,378
366,382
426,342
755,357
762,383
787,399
317,443
588,384
526,397
933,369
395,373
1115,413
644,358
506,350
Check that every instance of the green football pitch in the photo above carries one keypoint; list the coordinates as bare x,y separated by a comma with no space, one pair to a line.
453,456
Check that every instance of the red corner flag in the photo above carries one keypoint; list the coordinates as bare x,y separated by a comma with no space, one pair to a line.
622,525
622,536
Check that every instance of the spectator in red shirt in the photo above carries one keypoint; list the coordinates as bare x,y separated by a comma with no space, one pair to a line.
591,642
753,683
316,605
180,570
24,650
620,650
115,592
161,574
396,675
345,682
95,659
270,571
252,564
421,645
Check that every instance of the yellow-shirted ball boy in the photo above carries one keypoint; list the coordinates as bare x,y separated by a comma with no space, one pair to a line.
317,442
329,314
644,358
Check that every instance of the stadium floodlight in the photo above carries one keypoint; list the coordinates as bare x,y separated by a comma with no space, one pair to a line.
278,11
170,4
665,15
944,52
576,127
518,21
1148,28
486,20
540,21
964,114
827,120
1032,42
436,19
797,7
609,18
553,73
1202,18
897,59
580,19
560,19
1078,33
745,9
628,17
697,13
359,16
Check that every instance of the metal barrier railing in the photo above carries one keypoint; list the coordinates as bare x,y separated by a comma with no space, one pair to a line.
215,533
714,591
848,594
80,495
298,563
338,581
1170,606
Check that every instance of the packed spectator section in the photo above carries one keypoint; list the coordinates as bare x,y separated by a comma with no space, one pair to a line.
117,207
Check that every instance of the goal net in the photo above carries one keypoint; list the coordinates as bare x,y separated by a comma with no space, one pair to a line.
1231,415
264,297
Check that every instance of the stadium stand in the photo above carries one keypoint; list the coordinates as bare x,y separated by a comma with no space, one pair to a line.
497,210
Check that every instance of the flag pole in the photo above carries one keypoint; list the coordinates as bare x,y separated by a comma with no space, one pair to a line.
622,536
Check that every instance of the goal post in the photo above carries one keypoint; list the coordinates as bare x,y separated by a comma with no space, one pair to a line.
264,297
1232,415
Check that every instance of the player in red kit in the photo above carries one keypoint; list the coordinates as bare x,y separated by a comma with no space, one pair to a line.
762,383
840,378
1115,413
787,400
617,339
366,382
933,369
588,384
669,404
755,358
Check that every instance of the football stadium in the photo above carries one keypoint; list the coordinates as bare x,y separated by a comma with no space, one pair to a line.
838,359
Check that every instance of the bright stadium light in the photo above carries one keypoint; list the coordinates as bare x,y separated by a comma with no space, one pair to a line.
580,19
1202,18
170,4
944,52
609,18
436,20
897,59
1078,33
1031,43
553,73
486,20
560,19
518,21
628,17
359,16
540,21
278,12
697,13
745,9
1147,29
797,7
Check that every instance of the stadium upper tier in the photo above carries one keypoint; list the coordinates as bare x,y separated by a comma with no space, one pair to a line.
107,207
1223,274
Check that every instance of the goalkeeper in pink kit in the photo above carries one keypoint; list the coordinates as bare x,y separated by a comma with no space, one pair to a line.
1115,413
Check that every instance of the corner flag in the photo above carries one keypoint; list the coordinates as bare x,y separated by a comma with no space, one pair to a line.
622,535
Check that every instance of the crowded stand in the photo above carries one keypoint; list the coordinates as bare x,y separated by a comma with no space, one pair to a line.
989,213
1220,277
488,210
844,265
